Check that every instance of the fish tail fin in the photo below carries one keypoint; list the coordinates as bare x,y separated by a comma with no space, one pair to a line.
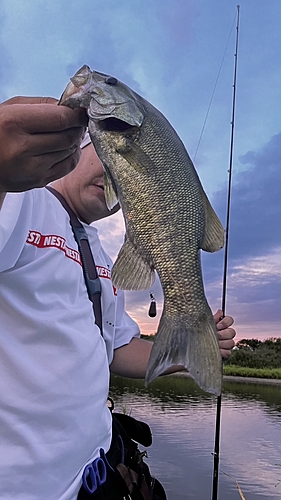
195,346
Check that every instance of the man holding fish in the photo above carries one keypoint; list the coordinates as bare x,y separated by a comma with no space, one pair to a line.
54,364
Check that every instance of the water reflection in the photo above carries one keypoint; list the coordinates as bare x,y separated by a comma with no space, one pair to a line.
183,421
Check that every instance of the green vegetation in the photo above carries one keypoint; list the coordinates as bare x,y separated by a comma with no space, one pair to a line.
255,358
252,358
243,371
148,337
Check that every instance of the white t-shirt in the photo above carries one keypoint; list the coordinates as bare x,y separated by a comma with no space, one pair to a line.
54,373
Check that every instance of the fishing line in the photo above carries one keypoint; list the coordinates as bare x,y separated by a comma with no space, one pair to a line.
218,416
214,90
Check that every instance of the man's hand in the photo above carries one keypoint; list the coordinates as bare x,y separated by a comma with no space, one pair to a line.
39,142
225,333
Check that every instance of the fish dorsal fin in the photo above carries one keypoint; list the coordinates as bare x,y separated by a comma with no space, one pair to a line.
131,271
109,192
214,233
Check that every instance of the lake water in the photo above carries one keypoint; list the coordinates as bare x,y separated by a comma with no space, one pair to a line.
182,419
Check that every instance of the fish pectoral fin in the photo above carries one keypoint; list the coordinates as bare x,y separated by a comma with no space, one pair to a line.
214,233
137,158
193,346
109,192
131,271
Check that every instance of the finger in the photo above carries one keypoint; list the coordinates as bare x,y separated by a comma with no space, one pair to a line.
228,333
40,118
225,323
218,315
60,168
50,160
37,144
227,344
225,353
30,100
65,166
43,169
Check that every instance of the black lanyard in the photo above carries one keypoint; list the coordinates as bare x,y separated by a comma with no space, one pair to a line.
89,268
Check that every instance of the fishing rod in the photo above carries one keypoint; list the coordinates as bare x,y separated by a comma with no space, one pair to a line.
218,415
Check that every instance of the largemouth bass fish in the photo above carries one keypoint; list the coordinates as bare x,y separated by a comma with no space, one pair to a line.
168,219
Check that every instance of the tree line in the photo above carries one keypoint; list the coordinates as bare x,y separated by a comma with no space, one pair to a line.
254,353
251,353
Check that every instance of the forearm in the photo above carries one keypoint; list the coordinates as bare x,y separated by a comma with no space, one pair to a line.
131,360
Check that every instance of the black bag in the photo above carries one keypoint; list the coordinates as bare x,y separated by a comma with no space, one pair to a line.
128,476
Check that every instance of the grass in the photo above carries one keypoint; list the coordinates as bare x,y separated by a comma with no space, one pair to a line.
241,371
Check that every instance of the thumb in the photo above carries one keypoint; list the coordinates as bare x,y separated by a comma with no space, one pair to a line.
218,316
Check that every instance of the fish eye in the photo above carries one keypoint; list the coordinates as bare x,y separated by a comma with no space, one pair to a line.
111,80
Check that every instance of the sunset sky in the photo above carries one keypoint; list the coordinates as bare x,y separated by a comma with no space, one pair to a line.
179,54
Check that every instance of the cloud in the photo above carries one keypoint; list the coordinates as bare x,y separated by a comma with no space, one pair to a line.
255,210
255,205
254,265
254,289
6,68
111,233
46,43
38,45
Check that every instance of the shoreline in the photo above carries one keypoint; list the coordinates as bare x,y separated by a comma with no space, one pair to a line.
238,379
251,380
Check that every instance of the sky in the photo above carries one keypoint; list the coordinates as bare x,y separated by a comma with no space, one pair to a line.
179,55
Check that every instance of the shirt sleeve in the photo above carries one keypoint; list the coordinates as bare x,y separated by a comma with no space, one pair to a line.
118,327
14,223
126,327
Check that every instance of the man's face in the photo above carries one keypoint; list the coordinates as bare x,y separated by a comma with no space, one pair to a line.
83,188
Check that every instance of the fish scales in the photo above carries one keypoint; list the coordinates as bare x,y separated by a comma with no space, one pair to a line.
168,219
165,243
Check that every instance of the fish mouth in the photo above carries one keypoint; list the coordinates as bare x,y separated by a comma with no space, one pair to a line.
112,124
69,91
